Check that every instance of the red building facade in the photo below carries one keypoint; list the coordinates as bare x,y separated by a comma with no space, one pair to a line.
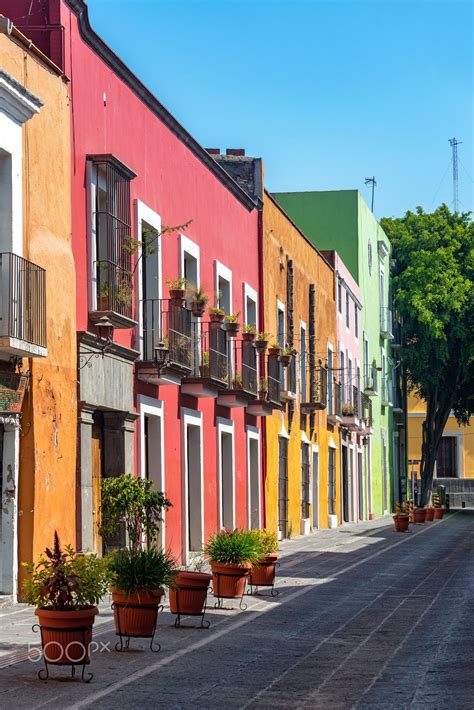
173,397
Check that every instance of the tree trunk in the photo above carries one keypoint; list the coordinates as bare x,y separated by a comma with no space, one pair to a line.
437,413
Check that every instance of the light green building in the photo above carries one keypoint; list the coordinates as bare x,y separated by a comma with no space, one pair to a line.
342,221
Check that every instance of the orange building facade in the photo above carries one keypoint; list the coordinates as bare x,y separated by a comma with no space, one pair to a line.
38,360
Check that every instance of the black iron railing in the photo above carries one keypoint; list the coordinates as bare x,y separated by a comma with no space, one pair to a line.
22,300
169,324
291,374
315,393
243,367
273,378
367,410
211,353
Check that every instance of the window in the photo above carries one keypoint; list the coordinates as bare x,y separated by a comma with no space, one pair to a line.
339,295
223,287
6,202
382,289
109,199
343,375
332,481
330,380
305,480
350,384
250,306
356,320
303,396
366,362
281,324
348,312
446,460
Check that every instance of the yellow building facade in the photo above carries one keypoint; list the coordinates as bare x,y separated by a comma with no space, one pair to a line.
38,354
302,486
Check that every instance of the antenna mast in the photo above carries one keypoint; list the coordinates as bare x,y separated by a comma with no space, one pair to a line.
371,181
453,142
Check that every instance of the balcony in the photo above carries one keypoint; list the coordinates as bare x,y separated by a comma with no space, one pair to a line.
386,324
334,404
114,295
242,383
22,307
288,380
385,394
317,397
166,342
210,361
269,389
366,414
371,382
351,409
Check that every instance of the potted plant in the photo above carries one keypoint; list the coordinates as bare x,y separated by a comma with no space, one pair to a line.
419,515
274,350
231,554
198,302
238,381
204,366
347,409
285,356
189,592
429,514
66,588
104,296
138,575
262,573
261,342
232,324
438,513
249,333
216,315
262,388
177,289
124,293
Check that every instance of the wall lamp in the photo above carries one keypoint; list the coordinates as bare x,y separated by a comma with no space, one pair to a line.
105,335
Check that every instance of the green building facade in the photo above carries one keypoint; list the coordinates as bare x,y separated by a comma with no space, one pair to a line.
342,221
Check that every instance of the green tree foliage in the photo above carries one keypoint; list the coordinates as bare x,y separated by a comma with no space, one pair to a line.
434,296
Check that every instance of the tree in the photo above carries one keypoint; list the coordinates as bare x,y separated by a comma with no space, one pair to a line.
434,297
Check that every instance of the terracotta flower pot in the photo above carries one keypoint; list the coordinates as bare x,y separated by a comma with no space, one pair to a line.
66,635
285,360
263,573
198,308
177,294
438,513
228,581
419,515
261,345
429,515
190,594
248,337
232,329
216,317
135,614
274,352
401,522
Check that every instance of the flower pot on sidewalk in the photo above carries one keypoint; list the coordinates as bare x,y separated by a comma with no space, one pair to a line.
66,635
438,513
228,581
419,515
401,522
135,614
263,573
429,515
189,593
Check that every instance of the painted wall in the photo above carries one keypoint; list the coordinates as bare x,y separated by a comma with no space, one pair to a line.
282,241
465,438
108,117
341,220
48,436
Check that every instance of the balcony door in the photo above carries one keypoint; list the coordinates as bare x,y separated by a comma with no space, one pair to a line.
97,451
283,486
226,482
315,488
345,484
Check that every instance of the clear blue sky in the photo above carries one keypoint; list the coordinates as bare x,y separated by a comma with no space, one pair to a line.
328,93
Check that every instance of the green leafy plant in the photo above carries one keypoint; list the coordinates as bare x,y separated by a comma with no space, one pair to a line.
347,409
263,337
267,539
246,328
133,571
129,500
178,284
275,346
216,311
238,381
63,581
124,293
238,547
232,317
205,358
198,295
263,384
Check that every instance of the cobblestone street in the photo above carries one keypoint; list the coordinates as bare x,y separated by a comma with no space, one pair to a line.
365,618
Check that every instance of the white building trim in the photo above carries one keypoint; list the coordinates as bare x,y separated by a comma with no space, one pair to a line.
151,407
143,213
193,418
253,433
225,426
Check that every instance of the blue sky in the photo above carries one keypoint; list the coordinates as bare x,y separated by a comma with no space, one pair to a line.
328,93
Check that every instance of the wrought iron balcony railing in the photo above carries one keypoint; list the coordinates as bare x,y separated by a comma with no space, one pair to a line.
242,375
367,410
273,379
314,394
114,289
386,325
169,324
210,357
22,305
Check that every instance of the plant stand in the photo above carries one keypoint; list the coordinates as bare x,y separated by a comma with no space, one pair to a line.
85,632
220,597
205,624
120,645
273,592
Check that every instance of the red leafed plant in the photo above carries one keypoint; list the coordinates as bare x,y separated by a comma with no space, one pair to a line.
62,583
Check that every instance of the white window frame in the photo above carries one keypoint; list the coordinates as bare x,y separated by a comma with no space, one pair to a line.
339,297
253,434
193,418
187,246
356,322
281,307
252,295
225,426
149,406
222,271
143,213
330,378
347,316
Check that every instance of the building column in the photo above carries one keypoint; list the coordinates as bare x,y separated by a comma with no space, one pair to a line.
9,502
85,536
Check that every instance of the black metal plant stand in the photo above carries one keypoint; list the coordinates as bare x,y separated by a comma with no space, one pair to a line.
120,645
43,674
220,597
274,592
205,624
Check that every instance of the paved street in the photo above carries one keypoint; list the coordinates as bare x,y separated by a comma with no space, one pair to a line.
366,618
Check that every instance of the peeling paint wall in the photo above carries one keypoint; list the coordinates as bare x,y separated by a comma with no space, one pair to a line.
47,477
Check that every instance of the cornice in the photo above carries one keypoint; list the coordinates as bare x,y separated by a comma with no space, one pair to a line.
15,100
133,82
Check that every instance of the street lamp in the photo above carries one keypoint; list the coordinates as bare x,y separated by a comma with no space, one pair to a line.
161,355
105,330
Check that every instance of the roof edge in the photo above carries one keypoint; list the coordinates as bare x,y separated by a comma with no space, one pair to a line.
133,82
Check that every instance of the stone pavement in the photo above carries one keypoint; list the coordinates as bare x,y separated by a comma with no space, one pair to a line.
365,618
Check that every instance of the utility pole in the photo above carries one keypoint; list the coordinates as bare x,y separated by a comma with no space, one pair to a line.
371,181
453,142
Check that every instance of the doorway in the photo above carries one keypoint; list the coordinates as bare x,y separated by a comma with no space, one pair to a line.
97,451
305,481
194,500
345,485
446,460
283,486
254,483
331,481
153,462
360,478
315,489
227,480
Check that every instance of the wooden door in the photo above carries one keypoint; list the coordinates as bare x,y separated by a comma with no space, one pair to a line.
97,448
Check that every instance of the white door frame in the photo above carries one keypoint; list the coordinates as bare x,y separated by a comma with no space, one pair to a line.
151,407
225,426
190,417
253,434
143,213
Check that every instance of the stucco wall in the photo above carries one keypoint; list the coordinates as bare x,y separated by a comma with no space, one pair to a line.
48,437
309,267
